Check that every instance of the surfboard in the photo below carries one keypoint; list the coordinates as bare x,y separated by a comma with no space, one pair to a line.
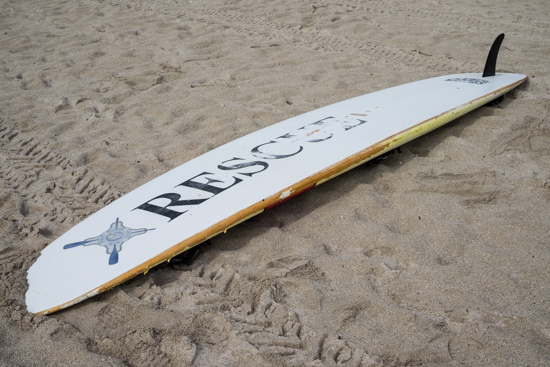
234,182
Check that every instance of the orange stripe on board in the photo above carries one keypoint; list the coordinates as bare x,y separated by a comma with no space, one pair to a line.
289,197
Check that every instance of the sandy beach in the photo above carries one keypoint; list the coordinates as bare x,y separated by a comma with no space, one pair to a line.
438,255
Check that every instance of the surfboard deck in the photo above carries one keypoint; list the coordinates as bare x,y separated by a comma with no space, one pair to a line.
224,187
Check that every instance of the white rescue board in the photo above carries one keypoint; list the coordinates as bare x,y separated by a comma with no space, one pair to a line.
211,193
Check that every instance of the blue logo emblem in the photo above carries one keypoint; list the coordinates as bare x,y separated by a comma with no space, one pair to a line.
112,239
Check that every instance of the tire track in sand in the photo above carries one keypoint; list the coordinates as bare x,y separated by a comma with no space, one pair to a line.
55,193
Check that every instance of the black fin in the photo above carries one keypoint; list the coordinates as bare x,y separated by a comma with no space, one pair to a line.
491,64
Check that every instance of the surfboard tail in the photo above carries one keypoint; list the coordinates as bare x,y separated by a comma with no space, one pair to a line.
491,63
